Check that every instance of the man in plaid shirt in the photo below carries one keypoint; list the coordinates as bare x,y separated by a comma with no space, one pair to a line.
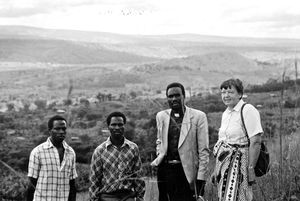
116,166
51,168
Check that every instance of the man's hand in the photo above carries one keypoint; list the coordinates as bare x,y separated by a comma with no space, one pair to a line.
200,185
31,188
153,164
251,176
200,198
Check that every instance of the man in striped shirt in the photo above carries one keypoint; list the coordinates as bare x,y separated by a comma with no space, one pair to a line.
51,168
116,166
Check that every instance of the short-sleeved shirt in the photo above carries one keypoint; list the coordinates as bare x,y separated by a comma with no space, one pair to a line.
232,131
53,177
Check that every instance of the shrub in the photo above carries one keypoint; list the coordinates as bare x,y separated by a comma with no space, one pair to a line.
41,104
93,116
13,184
82,182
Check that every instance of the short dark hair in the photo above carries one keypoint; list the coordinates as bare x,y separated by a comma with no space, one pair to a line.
55,118
233,82
176,84
115,114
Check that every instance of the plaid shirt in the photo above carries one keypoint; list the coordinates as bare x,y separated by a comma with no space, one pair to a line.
114,169
53,182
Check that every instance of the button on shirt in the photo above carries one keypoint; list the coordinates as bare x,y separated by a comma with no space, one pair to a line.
232,131
53,177
114,169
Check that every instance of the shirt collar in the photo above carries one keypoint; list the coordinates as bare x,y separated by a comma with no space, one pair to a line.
49,144
109,143
237,107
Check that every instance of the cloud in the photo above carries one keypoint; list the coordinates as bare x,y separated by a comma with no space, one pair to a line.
216,17
22,12
25,8
277,20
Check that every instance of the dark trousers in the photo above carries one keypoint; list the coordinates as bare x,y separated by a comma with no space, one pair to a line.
172,183
117,196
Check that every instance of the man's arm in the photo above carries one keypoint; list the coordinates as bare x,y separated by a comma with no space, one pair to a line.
73,175
158,160
159,134
95,177
72,194
31,188
203,151
139,184
34,166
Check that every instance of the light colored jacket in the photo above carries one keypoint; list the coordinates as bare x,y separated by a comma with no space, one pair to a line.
192,146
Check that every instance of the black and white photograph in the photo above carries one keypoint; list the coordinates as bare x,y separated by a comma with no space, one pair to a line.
149,100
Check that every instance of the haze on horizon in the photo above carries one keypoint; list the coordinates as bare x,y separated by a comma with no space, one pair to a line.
256,18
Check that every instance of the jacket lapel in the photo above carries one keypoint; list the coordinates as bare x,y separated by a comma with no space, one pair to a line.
165,128
186,125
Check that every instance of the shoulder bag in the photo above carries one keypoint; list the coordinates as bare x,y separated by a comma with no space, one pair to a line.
263,162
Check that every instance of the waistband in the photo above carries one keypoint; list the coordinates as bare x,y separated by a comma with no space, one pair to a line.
172,162
239,145
119,191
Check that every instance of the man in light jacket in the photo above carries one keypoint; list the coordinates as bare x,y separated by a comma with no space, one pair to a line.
182,149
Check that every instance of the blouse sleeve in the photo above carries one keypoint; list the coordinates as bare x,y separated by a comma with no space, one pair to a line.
252,120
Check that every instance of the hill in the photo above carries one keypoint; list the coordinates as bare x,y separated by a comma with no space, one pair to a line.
211,62
162,46
150,62
61,52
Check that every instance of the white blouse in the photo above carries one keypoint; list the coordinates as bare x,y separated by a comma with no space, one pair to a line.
232,131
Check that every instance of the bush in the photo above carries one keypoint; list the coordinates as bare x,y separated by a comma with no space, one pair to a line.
13,184
83,153
93,116
79,124
41,104
82,182
5,119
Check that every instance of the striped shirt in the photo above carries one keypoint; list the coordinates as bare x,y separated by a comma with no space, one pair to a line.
53,177
115,169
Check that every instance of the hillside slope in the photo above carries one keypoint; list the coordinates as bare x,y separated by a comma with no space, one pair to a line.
212,62
61,51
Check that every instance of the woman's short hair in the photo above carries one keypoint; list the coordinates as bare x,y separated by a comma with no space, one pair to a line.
115,114
176,84
233,82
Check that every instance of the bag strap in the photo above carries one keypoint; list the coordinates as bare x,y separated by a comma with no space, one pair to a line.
243,122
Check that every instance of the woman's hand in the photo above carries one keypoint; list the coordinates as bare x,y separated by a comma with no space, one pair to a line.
213,178
251,176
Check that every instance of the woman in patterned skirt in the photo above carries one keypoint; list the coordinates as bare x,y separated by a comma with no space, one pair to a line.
236,156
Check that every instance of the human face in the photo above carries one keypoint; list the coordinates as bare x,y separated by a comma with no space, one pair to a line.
175,98
116,127
230,96
58,132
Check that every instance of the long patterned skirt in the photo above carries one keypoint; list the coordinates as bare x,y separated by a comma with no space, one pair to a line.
232,173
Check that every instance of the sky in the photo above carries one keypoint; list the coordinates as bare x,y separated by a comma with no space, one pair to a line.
245,18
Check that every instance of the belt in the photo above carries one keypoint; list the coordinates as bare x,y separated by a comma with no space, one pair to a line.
173,162
239,145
